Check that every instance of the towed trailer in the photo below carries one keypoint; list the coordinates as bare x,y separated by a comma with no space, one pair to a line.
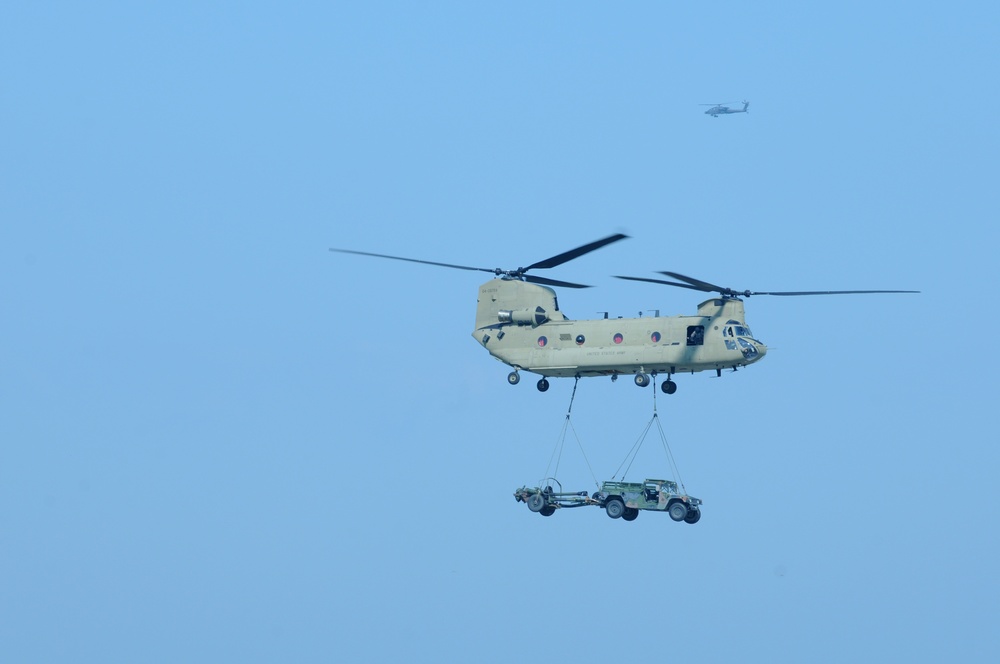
620,500
547,500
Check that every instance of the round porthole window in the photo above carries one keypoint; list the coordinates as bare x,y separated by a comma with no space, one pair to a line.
619,338
655,336
580,339
542,341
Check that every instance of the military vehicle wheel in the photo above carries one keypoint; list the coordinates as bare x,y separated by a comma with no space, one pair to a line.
668,387
630,514
693,516
513,378
548,510
614,507
543,385
678,511
642,380
536,502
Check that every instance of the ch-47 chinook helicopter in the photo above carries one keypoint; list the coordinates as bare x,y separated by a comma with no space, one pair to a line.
519,322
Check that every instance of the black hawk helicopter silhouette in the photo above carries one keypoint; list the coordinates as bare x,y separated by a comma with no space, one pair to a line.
722,109
518,321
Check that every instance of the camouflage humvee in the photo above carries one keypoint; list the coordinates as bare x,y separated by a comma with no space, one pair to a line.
625,499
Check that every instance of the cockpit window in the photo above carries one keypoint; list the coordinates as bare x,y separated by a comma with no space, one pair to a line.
739,331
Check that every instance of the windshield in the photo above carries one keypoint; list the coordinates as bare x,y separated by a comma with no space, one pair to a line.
735,330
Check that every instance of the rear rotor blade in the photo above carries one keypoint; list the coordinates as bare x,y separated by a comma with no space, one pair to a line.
574,253
415,260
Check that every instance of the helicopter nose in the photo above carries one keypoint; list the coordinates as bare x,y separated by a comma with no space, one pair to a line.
752,349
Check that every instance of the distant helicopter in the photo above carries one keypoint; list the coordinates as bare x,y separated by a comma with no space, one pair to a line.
519,322
720,109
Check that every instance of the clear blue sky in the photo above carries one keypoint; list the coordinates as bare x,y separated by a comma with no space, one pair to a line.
221,442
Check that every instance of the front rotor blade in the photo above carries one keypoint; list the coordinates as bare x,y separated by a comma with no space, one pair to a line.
575,253
414,260
832,292
698,283
553,282
660,281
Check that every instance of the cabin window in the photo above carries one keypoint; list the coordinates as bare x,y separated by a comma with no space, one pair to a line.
696,335
655,337
580,339
619,338
542,341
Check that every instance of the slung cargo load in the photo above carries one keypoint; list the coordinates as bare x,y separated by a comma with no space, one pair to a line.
547,500
622,500
625,500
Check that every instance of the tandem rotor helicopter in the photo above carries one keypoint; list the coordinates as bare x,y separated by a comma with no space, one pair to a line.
722,109
519,322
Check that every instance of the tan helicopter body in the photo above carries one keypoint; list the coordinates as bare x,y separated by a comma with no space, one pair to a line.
521,325
519,322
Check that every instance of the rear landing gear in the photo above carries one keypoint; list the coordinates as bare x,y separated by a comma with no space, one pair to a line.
513,378
543,385
642,380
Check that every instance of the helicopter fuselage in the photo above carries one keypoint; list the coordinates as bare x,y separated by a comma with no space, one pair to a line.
719,109
521,325
519,322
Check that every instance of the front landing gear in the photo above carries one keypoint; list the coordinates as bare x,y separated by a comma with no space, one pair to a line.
668,386
543,385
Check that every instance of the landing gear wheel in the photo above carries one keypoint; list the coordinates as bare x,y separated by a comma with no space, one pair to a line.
543,385
536,502
642,380
614,507
548,511
693,516
630,514
677,511
668,387
513,378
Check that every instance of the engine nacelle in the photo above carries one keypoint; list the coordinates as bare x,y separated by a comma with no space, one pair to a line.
533,317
